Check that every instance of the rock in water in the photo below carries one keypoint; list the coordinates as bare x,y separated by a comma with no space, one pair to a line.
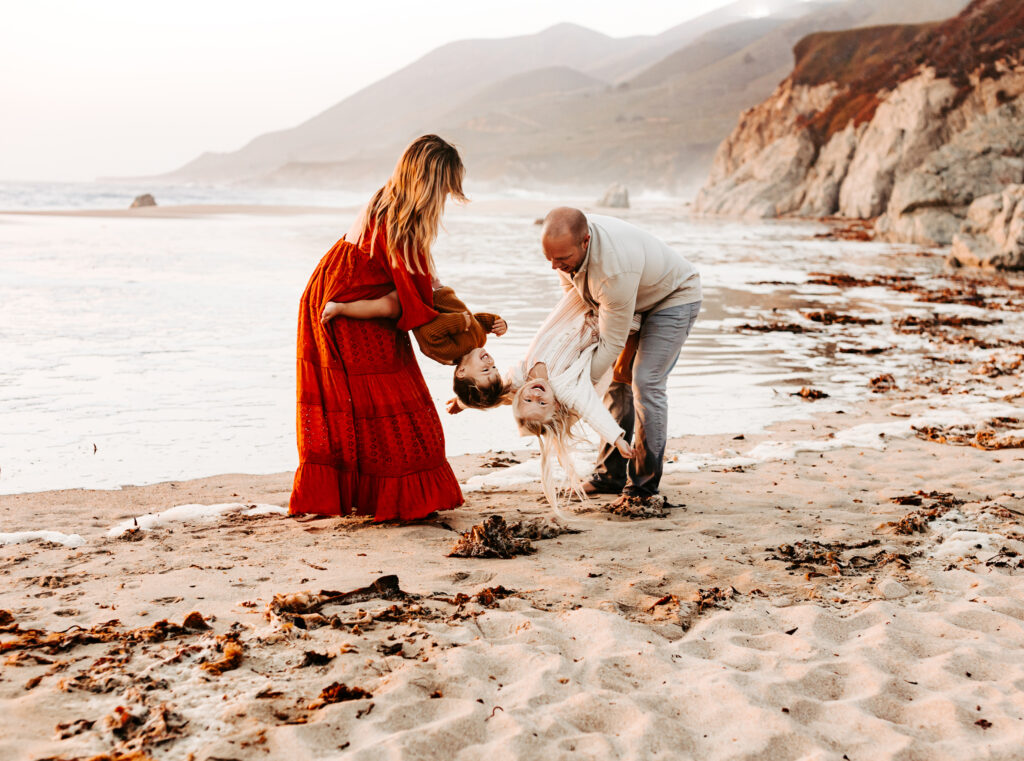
616,197
146,199
992,236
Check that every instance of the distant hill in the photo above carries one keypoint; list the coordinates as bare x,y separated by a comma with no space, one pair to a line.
567,106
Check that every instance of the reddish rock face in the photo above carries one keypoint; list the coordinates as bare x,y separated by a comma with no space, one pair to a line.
903,124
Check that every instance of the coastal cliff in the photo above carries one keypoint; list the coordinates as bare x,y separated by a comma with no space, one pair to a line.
906,125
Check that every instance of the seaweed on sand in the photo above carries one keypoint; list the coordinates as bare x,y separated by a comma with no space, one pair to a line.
834,318
807,553
109,631
338,692
995,434
810,394
491,539
639,507
775,327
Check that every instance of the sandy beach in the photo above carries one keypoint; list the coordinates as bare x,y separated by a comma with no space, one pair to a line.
846,586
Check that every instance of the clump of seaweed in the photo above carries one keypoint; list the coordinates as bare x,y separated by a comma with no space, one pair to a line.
774,327
639,507
339,692
810,394
995,434
809,554
537,529
828,317
109,631
491,539
883,383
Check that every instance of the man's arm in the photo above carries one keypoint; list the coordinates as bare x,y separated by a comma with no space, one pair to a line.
616,301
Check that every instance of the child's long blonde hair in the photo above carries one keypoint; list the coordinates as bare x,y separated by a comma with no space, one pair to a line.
411,202
557,440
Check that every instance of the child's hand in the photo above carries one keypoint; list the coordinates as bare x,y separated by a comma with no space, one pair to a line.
624,448
454,408
331,310
499,327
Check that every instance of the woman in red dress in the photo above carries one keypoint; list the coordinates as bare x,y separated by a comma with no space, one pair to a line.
370,439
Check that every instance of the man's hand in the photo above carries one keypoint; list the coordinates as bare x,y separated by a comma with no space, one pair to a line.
499,327
624,448
454,406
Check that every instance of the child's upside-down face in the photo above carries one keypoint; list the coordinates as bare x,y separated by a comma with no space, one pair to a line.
479,368
535,401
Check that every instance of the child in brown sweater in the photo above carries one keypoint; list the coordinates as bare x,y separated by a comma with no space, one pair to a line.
454,337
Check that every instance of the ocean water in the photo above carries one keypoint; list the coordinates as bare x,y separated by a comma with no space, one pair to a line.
143,349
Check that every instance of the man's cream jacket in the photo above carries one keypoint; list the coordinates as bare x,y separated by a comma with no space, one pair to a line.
627,270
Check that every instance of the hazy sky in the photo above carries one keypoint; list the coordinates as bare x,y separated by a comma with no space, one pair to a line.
128,87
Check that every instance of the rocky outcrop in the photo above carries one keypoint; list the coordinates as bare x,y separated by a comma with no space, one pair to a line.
910,138
992,236
146,199
615,197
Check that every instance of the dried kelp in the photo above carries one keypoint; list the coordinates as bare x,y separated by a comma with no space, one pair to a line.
137,732
639,507
384,588
993,368
339,692
713,597
1005,558
893,282
810,394
500,462
990,293
231,656
488,597
313,658
883,383
537,529
992,435
491,539
828,317
774,327
75,636
859,230
835,556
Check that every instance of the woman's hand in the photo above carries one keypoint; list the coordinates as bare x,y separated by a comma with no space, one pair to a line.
499,327
624,448
454,406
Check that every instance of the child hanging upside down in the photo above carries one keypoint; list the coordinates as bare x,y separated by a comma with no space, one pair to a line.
454,337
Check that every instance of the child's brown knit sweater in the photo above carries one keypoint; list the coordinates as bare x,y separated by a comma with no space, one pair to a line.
446,338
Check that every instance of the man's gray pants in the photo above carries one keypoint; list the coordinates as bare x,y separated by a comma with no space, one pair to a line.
643,406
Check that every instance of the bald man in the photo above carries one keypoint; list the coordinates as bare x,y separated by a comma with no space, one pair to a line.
620,270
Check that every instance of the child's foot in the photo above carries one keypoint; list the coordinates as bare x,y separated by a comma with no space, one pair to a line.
332,310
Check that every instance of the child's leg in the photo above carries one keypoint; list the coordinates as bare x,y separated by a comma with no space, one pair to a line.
365,309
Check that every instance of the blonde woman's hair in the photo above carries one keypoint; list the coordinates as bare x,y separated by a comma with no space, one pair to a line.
557,440
411,203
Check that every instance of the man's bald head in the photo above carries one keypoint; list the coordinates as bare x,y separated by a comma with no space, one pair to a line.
565,238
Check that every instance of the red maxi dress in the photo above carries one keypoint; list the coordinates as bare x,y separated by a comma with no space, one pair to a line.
369,436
